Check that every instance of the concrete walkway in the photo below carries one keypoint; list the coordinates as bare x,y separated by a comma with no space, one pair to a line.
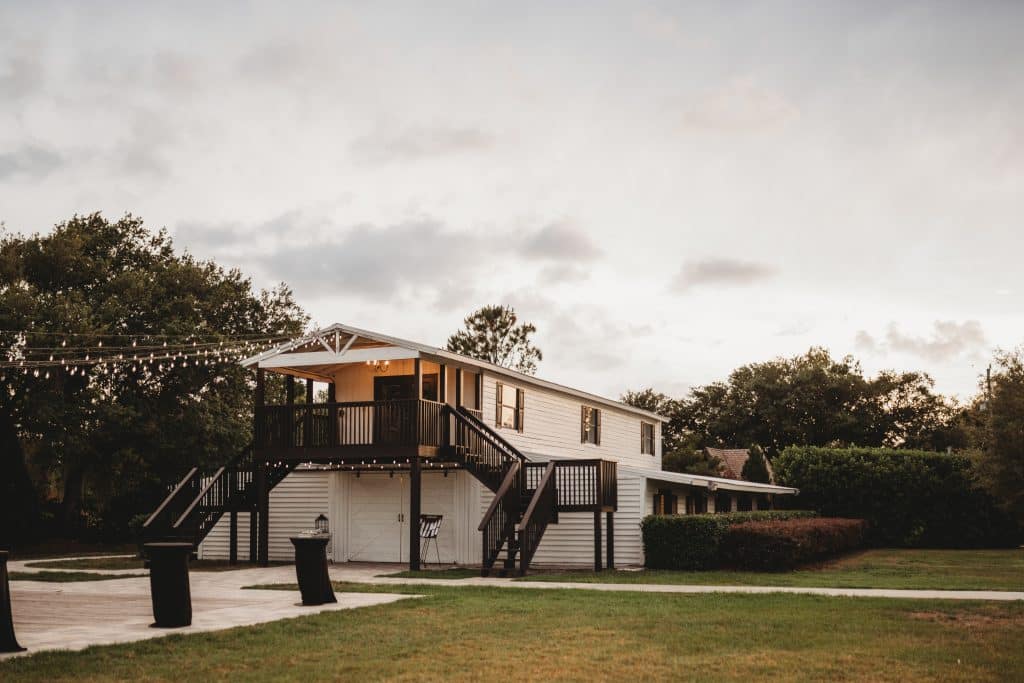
75,615
371,574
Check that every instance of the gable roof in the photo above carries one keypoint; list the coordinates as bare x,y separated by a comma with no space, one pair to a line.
437,354
733,460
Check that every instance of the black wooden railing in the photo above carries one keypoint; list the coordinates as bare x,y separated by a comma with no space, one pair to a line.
193,507
486,456
178,498
542,510
498,524
582,485
408,422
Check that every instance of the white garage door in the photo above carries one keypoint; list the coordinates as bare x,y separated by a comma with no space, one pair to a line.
378,510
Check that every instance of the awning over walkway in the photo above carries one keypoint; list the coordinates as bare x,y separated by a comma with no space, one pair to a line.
709,483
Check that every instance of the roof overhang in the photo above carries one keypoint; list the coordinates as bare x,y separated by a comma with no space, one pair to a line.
709,483
337,344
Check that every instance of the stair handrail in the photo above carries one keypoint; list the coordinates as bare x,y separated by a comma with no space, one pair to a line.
542,511
481,429
171,496
547,480
213,480
510,480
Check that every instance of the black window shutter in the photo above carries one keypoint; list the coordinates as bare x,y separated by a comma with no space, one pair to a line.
597,430
583,424
498,398
520,408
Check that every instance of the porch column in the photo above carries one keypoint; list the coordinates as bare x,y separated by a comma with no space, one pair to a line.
289,383
458,387
263,498
307,427
417,375
734,502
442,383
610,539
711,501
414,513
753,502
233,534
253,534
597,541
771,501
332,413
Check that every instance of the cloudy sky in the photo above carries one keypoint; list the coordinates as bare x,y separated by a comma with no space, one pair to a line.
667,190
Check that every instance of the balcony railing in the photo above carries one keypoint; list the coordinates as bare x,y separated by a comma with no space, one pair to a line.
581,485
361,423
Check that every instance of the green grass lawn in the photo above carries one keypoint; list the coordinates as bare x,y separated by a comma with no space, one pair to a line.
882,568
477,633
64,577
133,562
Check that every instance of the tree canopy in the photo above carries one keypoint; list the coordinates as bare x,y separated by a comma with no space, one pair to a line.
107,437
494,334
997,426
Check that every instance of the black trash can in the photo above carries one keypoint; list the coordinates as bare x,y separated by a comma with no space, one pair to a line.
168,584
311,569
8,643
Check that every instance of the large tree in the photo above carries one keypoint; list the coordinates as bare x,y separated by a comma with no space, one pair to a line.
811,399
494,334
109,436
997,427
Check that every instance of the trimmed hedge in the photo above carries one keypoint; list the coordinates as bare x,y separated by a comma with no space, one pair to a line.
777,545
909,498
692,541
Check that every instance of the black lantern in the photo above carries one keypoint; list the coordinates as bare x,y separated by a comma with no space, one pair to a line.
321,525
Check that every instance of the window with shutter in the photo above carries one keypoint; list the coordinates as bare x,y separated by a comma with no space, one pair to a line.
508,407
498,391
520,408
647,438
590,425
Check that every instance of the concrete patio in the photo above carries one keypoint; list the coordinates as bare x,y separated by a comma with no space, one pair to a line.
75,615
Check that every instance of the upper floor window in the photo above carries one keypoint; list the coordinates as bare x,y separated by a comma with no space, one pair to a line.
509,406
646,438
590,425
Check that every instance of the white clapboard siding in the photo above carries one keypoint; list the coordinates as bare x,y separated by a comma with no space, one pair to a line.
571,542
294,506
551,427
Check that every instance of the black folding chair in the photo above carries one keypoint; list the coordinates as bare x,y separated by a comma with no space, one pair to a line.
430,526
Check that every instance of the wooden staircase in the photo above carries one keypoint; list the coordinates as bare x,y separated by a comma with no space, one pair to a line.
523,505
194,506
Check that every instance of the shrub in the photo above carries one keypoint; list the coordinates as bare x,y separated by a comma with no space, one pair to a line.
692,541
682,541
775,545
909,498
765,515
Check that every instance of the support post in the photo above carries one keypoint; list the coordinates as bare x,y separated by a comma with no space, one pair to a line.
415,481
734,502
253,534
711,501
753,502
263,496
417,374
233,533
442,383
610,539
458,387
597,541
307,423
289,383
332,413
